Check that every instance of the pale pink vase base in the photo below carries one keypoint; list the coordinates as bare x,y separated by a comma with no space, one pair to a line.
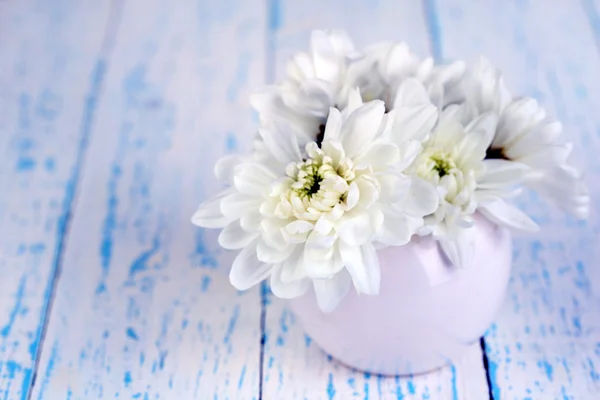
413,326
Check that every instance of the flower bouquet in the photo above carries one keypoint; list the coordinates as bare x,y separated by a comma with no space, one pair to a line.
377,197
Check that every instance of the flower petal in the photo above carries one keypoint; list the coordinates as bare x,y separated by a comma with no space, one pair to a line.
330,292
547,156
489,92
542,135
415,114
287,290
369,191
233,237
352,196
447,133
460,248
363,265
253,179
281,142
247,270
481,131
361,127
501,172
251,221
379,156
299,227
355,229
516,120
322,262
209,214
333,125
236,205
354,101
293,268
272,255
397,228
507,215
562,184
225,167
393,187
328,49
422,198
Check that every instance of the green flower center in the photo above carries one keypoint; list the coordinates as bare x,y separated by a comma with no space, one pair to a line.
309,176
442,164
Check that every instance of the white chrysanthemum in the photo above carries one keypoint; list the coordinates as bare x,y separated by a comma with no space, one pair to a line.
325,77
319,217
525,135
453,159
384,67
312,85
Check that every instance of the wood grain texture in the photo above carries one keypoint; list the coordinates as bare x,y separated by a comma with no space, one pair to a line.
546,341
144,308
49,80
294,367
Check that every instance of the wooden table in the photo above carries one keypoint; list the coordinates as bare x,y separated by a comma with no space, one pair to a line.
111,117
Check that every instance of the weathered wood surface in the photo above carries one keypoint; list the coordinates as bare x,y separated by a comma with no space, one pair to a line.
49,82
141,308
111,117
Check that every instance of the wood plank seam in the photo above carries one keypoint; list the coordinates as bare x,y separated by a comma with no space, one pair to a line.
486,366
70,201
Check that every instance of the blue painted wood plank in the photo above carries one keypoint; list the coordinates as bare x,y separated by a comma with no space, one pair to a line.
49,81
144,307
546,341
293,366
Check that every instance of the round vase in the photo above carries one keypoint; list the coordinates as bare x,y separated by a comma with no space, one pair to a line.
415,325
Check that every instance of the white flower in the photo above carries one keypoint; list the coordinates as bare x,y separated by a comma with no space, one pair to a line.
384,67
453,159
319,217
312,85
525,135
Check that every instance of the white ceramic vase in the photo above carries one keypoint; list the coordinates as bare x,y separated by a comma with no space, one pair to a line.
414,326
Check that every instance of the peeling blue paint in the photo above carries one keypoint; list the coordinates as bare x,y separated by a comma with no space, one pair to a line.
50,164
366,385
5,331
399,394
127,378
330,387
132,334
202,256
307,340
548,370
205,283
25,164
231,325
453,382
410,386
231,142
162,355
141,262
